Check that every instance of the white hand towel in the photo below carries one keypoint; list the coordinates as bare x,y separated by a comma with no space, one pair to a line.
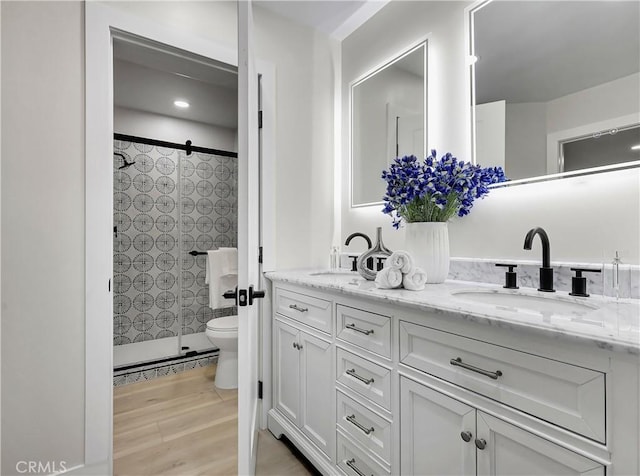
221,274
228,262
399,260
388,278
414,280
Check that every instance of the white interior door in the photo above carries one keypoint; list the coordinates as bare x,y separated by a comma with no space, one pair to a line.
248,242
491,133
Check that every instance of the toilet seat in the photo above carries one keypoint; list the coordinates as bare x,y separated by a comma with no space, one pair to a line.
223,324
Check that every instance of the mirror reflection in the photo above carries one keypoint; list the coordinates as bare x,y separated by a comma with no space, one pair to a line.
551,81
388,120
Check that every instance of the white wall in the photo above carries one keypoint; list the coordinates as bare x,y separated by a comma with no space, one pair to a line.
393,29
614,99
304,113
0,237
172,129
587,218
43,195
42,233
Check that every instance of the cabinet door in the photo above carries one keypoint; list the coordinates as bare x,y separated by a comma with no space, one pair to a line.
431,427
317,420
286,371
514,451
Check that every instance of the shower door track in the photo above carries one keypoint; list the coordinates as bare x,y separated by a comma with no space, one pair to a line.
149,363
187,147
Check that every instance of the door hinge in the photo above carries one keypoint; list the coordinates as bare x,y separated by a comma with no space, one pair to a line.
260,255
260,389
259,119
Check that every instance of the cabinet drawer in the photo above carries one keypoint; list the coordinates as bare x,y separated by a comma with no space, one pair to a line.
353,461
569,396
366,427
309,310
363,376
364,329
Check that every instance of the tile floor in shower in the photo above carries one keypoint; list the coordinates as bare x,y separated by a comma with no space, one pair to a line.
182,425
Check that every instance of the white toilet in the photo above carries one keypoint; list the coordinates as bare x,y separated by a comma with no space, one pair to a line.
223,333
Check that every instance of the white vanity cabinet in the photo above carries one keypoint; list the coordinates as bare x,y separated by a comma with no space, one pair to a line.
441,435
303,382
391,388
302,366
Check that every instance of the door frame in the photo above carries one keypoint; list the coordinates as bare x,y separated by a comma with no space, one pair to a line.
102,23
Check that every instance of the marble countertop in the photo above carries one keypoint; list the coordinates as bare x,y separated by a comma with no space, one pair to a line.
611,324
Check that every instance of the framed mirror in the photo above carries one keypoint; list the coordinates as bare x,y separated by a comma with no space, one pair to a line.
388,115
555,86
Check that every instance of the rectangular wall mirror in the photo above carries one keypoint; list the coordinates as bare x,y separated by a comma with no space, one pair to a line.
388,120
555,86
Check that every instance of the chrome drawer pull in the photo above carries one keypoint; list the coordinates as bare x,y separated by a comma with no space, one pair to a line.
352,419
357,329
352,464
296,308
459,363
481,443
352,373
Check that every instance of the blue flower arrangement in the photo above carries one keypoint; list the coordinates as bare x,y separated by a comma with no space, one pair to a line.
435,190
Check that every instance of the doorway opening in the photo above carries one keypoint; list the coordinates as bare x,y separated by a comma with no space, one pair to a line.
175,185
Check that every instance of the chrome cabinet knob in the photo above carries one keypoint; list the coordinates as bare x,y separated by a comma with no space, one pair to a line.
481,444
466,436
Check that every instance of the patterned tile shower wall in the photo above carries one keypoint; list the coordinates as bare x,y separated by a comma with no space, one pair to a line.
165,205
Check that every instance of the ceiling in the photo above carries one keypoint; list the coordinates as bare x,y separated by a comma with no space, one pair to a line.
536,51
327,16
149,77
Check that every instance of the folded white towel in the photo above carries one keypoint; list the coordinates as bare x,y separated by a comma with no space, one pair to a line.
388,278
227,262
399,260
414,280
221,274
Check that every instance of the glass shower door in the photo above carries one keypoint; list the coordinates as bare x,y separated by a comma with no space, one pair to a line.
146,268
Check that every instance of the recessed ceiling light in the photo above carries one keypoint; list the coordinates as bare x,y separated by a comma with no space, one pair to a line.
636,147
182,104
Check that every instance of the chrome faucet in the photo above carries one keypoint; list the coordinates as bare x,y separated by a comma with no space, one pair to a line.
355,258
546,271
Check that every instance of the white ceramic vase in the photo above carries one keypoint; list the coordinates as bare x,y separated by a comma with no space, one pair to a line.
428,244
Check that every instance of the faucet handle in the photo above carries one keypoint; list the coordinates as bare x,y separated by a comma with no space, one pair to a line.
579,282
354,262
510,276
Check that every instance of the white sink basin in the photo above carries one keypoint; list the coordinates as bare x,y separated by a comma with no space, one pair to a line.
546,305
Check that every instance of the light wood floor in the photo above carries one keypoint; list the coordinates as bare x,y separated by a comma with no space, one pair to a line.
182,425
